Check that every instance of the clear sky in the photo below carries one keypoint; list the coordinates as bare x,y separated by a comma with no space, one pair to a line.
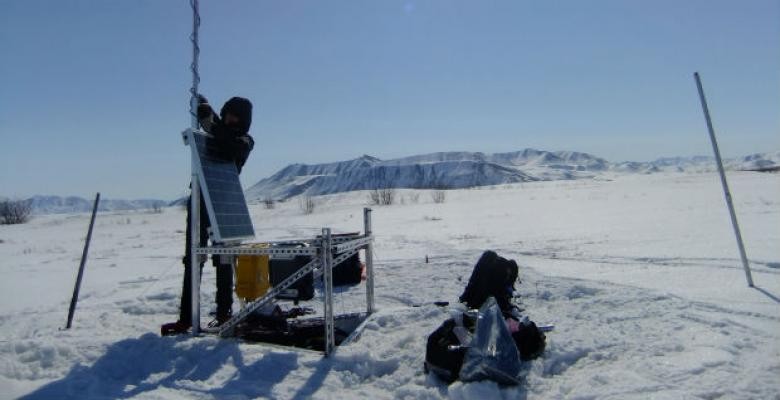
94,94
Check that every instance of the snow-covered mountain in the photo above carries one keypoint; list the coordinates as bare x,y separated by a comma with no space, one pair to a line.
454,170
754,162
446,170
757,162
72,204
438,170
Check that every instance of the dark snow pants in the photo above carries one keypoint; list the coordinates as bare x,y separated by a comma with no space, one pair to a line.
224,271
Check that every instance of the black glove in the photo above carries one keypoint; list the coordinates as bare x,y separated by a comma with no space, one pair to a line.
204,111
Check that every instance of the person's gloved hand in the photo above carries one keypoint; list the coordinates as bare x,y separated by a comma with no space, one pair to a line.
204,109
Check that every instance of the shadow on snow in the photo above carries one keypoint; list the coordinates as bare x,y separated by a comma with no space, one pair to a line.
132,367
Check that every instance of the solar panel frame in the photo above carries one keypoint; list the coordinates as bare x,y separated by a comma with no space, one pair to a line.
222,192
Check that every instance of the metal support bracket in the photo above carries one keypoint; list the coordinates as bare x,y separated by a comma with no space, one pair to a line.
321,250
302,251
315,266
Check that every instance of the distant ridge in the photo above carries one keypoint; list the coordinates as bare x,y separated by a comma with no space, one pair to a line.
454,170
445,170
74,204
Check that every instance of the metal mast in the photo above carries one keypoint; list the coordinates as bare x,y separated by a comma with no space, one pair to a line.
194,183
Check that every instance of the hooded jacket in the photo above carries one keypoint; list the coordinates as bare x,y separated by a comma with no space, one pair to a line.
231,142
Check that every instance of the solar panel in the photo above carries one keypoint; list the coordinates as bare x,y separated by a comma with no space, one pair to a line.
221,190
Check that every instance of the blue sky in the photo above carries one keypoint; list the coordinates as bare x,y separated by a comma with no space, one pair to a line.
94,94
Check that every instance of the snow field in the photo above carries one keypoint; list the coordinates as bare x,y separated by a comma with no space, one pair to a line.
640,274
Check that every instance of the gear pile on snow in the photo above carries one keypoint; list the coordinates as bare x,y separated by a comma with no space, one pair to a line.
488,337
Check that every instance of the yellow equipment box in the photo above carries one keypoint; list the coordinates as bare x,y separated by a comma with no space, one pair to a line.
252,275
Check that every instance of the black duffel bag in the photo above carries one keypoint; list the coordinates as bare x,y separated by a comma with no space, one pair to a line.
447,347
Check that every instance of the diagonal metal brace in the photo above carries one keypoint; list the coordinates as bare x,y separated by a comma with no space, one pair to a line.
227,328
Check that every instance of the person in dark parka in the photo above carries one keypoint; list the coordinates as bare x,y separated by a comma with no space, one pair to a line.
230,131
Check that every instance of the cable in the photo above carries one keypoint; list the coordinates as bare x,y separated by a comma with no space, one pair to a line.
194,64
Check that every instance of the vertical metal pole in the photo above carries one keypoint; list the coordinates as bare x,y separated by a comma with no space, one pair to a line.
327,264
194,183
369,261
77,287
726,191
195,243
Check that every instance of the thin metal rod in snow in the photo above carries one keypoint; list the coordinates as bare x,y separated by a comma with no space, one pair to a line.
725,184
76,289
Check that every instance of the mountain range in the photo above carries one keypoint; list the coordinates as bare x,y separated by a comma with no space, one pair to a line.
71,204
443,170
453,170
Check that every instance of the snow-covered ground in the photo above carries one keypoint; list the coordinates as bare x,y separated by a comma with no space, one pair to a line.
640,274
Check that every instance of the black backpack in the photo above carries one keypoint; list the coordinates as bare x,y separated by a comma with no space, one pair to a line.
280,269
492,276
349,272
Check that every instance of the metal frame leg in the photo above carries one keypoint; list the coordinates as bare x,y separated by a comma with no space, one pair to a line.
327,263
369,262
194,258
